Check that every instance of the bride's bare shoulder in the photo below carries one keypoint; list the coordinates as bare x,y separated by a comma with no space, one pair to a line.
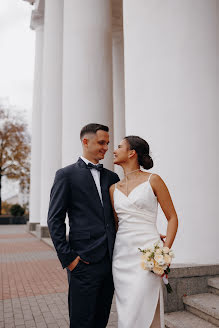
157,181
155,177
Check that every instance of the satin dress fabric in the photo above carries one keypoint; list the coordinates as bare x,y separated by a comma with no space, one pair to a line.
137,291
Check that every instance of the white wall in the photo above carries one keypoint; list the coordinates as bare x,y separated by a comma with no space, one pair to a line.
171,88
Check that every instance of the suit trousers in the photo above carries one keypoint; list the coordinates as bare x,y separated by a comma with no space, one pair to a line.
90,294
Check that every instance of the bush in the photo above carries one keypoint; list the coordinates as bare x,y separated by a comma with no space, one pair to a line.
17,210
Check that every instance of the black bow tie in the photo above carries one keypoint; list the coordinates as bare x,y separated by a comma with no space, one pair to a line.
97,167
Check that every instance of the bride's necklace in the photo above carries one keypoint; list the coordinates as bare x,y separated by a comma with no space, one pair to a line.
126,180
131,172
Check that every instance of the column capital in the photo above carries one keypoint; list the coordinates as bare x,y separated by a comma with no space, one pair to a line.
37,19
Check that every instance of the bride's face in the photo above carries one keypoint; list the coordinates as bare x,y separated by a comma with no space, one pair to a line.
121,154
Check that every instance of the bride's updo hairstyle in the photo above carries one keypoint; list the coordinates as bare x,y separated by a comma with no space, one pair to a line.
142,149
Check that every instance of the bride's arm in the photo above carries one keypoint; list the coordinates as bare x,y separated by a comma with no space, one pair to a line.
163,196
111,192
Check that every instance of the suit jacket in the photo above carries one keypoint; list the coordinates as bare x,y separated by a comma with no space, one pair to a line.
92,226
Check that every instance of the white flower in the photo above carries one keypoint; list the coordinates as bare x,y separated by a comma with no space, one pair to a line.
143,257
171,253
158,251
158,270
166,250
151,249
159,259
167,259
143,265
150,264
146,256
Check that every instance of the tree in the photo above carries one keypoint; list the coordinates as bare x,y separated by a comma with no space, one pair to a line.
14,149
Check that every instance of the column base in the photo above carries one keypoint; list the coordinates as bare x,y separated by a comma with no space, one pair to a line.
31,226
42,232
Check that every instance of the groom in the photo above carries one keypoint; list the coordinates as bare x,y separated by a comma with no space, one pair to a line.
81,190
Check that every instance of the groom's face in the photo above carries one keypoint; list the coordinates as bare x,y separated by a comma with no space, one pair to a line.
97,145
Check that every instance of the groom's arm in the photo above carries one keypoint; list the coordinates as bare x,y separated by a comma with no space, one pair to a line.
58,208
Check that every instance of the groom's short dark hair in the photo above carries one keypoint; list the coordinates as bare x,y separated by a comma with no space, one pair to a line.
92,128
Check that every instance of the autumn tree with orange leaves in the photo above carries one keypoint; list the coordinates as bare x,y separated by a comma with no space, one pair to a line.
14,150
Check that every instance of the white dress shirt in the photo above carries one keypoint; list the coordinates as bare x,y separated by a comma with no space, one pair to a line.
96,175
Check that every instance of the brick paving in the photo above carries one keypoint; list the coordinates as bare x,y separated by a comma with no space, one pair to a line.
33,285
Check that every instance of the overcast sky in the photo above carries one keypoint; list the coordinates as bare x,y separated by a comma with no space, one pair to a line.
17,44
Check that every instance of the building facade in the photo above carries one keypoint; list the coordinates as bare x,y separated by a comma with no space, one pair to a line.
145,67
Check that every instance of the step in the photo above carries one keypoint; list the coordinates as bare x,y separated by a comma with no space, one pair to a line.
184,319
213,285
205,306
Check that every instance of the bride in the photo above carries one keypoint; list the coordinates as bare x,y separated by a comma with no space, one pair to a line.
135,201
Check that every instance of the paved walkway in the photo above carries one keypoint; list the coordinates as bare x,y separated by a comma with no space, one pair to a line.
33,285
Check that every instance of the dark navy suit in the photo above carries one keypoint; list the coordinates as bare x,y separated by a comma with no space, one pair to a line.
91,236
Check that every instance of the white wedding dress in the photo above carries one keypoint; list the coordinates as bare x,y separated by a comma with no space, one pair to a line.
138,292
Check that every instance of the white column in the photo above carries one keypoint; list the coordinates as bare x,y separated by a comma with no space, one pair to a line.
87,72
171,83
37,25
52,100
118,92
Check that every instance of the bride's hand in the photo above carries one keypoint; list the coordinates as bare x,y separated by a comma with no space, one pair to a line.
162,237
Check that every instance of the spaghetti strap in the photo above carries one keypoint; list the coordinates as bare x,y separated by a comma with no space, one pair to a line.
150,176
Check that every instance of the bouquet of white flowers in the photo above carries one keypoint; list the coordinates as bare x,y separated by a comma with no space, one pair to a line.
157,259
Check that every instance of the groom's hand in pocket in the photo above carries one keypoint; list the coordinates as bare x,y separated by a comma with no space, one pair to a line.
73,264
